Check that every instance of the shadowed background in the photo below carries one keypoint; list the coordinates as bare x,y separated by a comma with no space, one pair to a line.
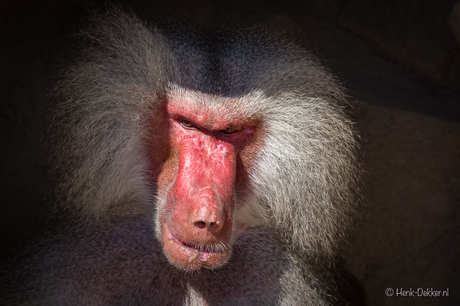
399,60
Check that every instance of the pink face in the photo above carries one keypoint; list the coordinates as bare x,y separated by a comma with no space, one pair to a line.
208,158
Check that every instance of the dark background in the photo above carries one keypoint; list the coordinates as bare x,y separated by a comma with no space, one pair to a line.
399,61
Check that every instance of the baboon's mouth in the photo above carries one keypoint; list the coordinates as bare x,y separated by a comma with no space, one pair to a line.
192,256
204,248
199,247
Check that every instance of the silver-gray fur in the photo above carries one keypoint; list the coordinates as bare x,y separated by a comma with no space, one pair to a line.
286,230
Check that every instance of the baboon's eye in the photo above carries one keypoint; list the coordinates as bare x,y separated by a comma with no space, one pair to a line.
228,131
187,124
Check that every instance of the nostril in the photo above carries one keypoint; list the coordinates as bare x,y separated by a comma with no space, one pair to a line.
214,224
209,225
200,224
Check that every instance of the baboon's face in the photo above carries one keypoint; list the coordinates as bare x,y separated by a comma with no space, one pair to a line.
209,151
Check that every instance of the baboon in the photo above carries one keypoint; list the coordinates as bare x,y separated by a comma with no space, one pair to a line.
194,166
